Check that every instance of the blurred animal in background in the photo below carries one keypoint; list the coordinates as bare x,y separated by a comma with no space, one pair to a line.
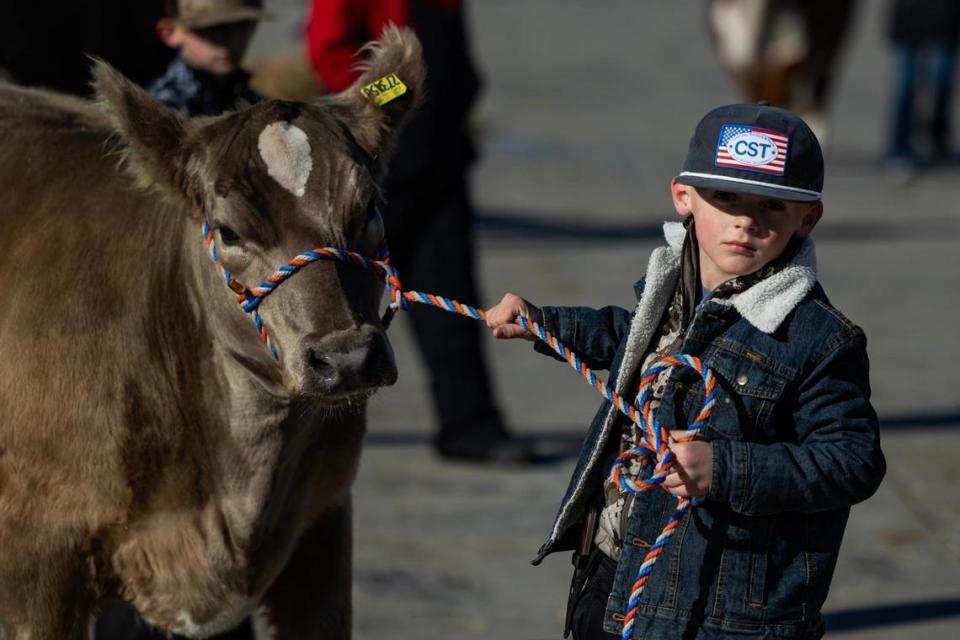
152,449
782,51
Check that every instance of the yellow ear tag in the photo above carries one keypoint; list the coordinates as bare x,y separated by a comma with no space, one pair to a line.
382,91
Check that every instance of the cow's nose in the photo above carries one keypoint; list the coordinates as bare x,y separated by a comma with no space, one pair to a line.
341,364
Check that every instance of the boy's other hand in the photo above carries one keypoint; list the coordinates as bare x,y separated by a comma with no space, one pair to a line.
502,317
692,469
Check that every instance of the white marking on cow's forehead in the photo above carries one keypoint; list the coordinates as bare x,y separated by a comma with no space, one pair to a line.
285,150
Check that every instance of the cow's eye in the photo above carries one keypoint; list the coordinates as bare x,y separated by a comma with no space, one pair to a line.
228,236
373,229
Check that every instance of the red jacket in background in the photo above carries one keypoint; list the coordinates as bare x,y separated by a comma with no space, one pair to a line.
435,144
336,29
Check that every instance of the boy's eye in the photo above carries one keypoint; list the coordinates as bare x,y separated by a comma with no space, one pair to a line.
228,236
774,205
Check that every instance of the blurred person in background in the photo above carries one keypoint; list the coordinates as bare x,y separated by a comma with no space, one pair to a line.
782,51
428,212
50,46
210,38
924,36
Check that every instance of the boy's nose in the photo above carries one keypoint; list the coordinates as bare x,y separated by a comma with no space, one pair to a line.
744,219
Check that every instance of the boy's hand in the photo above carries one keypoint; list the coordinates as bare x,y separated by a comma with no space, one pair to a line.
502,317
692,469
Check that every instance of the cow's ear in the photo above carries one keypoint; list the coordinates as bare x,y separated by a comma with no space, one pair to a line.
152,137
390,88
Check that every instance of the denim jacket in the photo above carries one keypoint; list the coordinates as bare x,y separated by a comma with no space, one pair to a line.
795,444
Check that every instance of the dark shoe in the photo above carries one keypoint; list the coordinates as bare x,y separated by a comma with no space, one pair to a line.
496,448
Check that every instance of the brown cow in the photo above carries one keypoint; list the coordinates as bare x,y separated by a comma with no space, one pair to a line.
150,447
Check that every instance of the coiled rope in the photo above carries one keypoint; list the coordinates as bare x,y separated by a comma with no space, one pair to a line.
650,446
650,440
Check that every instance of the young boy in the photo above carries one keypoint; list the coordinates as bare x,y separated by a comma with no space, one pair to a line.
793,441
212,37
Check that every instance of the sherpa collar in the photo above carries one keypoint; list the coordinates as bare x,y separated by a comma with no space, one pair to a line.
766,304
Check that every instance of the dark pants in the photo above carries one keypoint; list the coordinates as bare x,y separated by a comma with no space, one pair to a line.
430,232
589,607
923,70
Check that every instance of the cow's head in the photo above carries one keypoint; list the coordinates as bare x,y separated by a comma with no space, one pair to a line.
273,181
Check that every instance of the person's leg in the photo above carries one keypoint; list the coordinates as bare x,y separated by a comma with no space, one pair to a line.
591,605
901,126
431,239
940,124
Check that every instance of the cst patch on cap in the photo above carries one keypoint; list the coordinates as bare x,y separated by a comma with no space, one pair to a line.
741,146
382,91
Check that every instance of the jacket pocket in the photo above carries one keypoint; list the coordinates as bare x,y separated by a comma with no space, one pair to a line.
748,391
763,579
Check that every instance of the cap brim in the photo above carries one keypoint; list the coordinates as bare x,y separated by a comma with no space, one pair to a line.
743,185
226,17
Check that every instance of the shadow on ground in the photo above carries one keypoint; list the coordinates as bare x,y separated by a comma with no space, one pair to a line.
889,615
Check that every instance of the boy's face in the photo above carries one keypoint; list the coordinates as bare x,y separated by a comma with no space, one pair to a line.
739,233
217,50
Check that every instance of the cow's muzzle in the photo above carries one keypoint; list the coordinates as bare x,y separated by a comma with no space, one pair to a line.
343,364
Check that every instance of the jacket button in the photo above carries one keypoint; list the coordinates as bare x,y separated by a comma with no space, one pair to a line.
742,380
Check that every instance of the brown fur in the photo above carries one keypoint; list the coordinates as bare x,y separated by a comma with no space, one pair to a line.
150,449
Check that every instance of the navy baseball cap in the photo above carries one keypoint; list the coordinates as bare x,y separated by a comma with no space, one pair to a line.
755,149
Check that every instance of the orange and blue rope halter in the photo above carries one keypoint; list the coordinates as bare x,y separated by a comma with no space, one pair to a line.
250,299
651,440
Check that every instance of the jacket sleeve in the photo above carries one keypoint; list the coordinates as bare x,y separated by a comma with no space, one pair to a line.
836,461
593,334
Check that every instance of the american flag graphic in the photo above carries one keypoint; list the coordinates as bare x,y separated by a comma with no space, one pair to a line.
751,152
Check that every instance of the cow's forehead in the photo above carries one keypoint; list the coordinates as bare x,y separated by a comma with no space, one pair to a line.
305,152
285,150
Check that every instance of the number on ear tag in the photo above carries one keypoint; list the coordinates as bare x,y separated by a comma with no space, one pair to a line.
382,91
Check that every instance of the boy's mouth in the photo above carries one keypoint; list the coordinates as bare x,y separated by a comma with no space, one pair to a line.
740,247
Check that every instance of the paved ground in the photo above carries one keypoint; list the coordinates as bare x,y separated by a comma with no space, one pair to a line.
586,117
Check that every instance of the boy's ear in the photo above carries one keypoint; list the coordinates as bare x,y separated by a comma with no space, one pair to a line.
680,193
390,88
151,136
810,219
167,32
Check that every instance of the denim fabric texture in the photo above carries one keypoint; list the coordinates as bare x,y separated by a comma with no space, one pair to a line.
795,444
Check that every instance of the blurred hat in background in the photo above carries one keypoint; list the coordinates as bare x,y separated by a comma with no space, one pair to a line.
198,14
